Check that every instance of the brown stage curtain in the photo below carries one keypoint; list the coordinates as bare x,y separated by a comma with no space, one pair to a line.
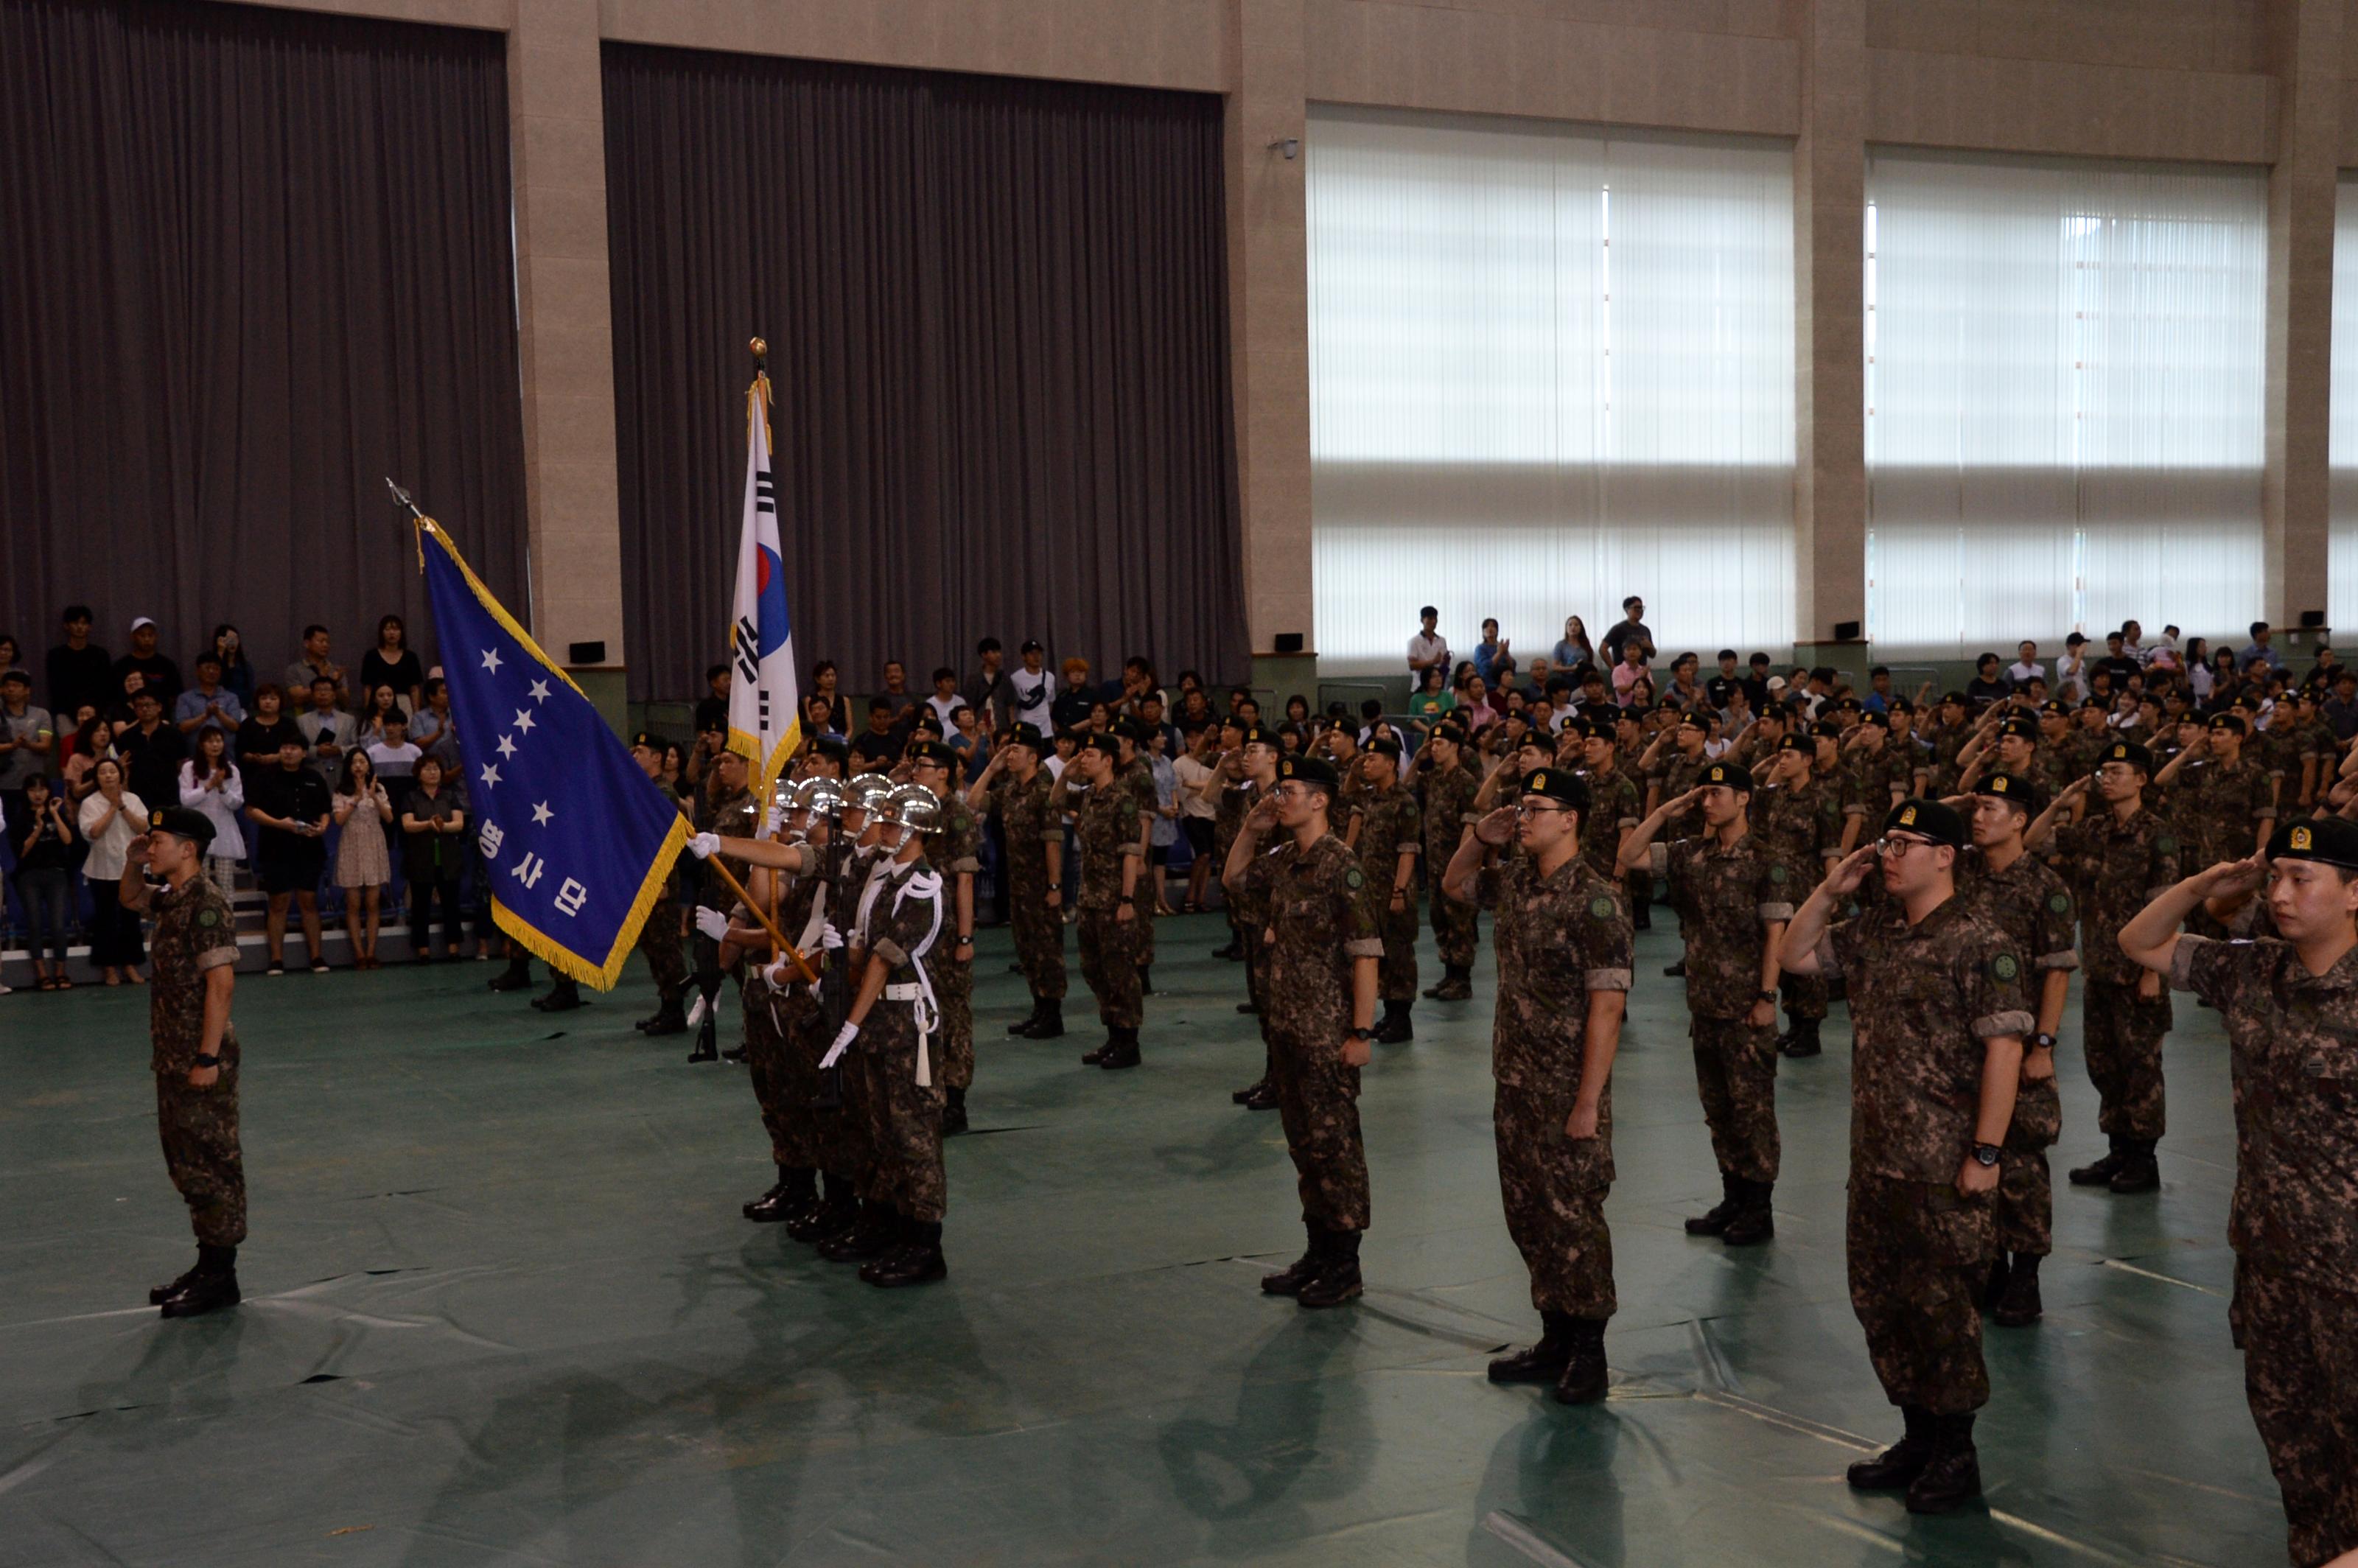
996,312
252,261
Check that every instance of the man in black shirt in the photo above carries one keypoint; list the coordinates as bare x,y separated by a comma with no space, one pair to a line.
1633,624
152,752
161,675
879,747
289,803
712,713
2116,661
268,727
80,671
1989,685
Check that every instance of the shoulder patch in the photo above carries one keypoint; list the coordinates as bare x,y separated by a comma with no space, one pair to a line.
1600,908
2004,966
209,917
2166,844
1354,878
2060,903
1777,871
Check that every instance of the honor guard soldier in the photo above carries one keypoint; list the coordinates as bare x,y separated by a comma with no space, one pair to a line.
847,1228
2289,1003
1015,789
659,933
1113,867
2117,860
1563,942
1733,895
954,850
727,809
1938,1016
1445,788
194,1058
1326,948
1387,832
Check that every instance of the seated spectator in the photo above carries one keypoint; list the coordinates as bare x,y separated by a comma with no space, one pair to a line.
378,703
259,737
314,663
152,752
27,735
212,784
1474,709
237,670
79,670
92,739
393,756
712,709
432,731
158,673
41,832
1989,685
327,730
433,855
391,663
363,809
818,718
289,803
209,703
108,820
823,685
896,693
945,698
877,748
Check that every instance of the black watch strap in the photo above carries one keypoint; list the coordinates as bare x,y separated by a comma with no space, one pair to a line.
206,1060
2044,1041
1988,1154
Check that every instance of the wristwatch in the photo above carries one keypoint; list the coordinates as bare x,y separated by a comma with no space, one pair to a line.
1368,1034
1765,996
2043,1041
1986,1154
206,1060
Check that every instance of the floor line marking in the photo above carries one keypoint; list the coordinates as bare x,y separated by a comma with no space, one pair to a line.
1525,1540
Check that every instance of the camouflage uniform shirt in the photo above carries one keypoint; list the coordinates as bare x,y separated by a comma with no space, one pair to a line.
1726,899
195,932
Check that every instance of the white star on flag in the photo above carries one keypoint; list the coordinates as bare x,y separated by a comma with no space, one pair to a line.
540,691
523,720
491,660
541,813
507,746
491,776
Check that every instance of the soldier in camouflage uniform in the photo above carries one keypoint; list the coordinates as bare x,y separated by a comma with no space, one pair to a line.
1800,820
1387,832
784,1080
1137,776
2229,800
1939,1015
659,934
1229,815
2117,861
1734,894
1105,823
2289,1003
1258,754
729,810
1326,948
1445,788
195,1051
1614,803
845,1228
2008,886
1880,774
954,850
1949,732
1563,943
1015,789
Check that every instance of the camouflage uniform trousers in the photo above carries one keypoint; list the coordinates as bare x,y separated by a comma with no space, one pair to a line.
904,1118
1455,926
1805,996
1396,976
1318,1104
2121,1032
839,1136
1736,1078
1553,1190
1039,943
783,1085
2026,1198
659,940
1638,887
1919,1255
954,990
2300,1375
1110,965
199,1129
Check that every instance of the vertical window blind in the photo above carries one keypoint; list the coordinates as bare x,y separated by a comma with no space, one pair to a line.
2342,550
2064,384
1548,367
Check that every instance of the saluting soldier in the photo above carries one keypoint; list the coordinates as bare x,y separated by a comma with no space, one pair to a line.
1735,895
1937,1017
1387,832
1227,815
195,1054
1105,825
953,850
1614,803
2289,1003
1800,817
1137,776
1325,949
1563,942
1016,789
2229,802
1445,788
1259,752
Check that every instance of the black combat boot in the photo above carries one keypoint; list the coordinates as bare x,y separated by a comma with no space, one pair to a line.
2018,1306
212,1285
1091,1058
1952,1476
1121,1051
1023,1026
1994,1286
1248,1007
1146,980
156,1296
563,997
669,1018
1336,1279
707,1040
1264,1098
953,1112
1456,984
1677,971
516,977
2139,1172
836,1211
1804,1041
1583,1377
1289,1280
1233,952
916,1261
2100,1173
876,1229
1395,1028
1750,1223
796,1194
1049,1025
1714,1220
1899,1464
1543,1362
1641,914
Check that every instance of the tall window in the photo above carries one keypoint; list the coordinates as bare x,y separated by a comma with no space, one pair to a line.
2064,380
1549,368
2341,551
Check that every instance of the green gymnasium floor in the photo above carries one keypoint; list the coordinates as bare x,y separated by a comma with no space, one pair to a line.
502,1308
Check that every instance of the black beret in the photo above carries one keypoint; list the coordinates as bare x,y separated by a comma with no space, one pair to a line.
1726,774
1697,717
834,746
933,752
1314,770
1453,733
1927,819
1537,738
2228,721
1023,735
1800,743
1956,697
2329,840
1385,746
2056,706
1255,735
1826,728
2018,728
1871,720
1901,704
1131,730
2130,752
1850,705
1599,727
1560,785
181,822
649,739
2013,788
1100,742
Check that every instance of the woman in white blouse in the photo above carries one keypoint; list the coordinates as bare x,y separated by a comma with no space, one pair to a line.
110,818
211,782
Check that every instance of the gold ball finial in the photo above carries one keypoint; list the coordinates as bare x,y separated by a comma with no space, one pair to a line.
760,346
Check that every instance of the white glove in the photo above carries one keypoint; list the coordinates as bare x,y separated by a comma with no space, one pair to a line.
712,923
703,845
843,1040
780,975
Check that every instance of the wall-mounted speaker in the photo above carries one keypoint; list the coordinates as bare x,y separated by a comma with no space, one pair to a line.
1845,630
585,653
2312,619
1288,642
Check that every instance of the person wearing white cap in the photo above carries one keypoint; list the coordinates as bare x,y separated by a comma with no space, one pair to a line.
160,673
